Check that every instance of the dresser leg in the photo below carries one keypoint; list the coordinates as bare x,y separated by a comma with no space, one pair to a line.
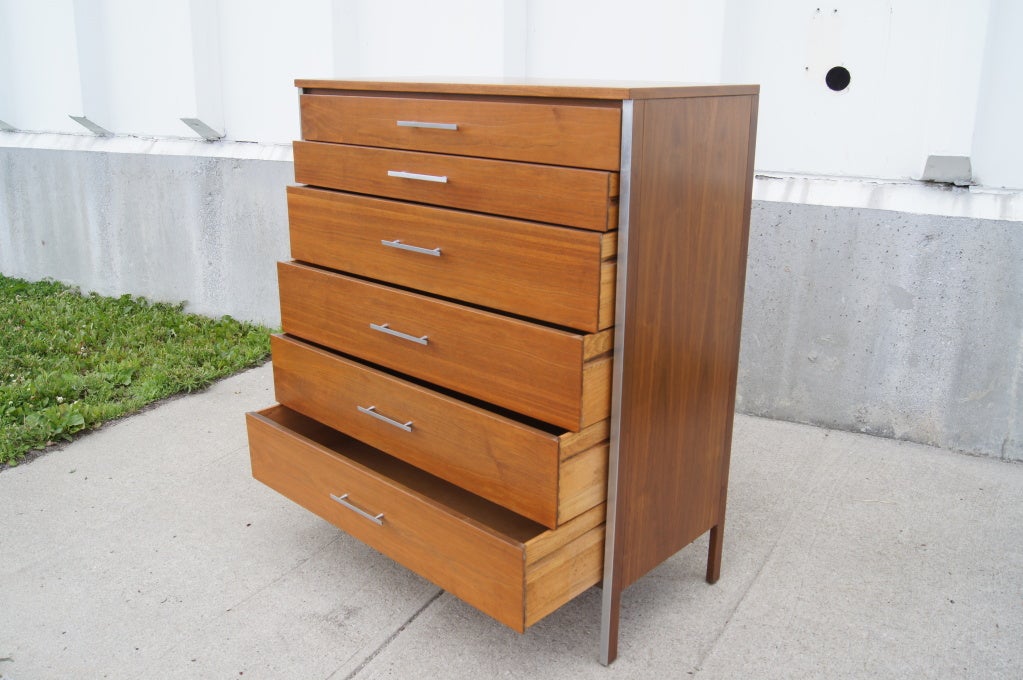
611,601
714,552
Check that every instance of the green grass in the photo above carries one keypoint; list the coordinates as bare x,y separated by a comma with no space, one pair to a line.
69,362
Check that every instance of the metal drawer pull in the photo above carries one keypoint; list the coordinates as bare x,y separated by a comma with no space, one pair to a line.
415,249
384,328
429,126
343,500
372,411
401,174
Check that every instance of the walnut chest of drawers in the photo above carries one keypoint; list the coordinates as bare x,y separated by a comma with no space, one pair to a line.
511,330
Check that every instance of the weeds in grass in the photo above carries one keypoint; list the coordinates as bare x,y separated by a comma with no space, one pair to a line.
69,362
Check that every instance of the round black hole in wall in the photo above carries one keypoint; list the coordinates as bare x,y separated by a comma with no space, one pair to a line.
838,78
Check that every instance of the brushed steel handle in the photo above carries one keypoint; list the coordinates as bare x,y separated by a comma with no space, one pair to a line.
372,411
385,328
343,500
414,249
401,174
428,126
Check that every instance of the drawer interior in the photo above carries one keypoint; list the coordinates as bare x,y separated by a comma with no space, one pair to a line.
488,515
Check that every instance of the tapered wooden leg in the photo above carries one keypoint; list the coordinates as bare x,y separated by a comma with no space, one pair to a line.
610,605
714,552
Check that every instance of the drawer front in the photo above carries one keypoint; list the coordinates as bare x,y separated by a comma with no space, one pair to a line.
499,562
471,561
538,271
545,193
585,136
499,459
525,367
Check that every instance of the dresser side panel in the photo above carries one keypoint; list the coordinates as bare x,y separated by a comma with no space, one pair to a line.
686,270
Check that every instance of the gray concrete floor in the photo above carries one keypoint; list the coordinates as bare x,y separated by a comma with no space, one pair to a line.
146,550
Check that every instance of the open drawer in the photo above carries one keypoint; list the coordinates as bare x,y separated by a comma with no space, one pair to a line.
539,472
555,376
507,566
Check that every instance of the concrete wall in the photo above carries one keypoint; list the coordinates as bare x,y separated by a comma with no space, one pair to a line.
203,229
894,324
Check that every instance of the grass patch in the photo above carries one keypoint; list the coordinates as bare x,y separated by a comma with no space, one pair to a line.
69,362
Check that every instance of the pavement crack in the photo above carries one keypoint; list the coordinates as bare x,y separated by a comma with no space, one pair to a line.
810,490
392,636
731,614
285,573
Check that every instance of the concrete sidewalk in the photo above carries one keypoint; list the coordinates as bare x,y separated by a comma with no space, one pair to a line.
146,550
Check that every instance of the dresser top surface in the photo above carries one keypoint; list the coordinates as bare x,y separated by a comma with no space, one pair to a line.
534,87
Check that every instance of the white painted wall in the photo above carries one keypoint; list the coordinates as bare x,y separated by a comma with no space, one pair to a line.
928,76
265,46
915,66
136,64
998,134
641,39
421,39
37,45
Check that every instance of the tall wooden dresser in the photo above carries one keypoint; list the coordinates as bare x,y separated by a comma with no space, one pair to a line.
511,330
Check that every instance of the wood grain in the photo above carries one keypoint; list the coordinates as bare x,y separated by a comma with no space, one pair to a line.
596,401
462,556
686,268
608,280
545,193
612,213
535,87
531,369
502,460
533,270
544,544
564,574
582,482
555,134
598,344
609,246
474,549
577,442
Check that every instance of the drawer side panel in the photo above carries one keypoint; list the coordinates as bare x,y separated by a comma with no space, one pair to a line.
582,482
564,574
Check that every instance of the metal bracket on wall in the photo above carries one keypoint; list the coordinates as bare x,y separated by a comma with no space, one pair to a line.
91,126
955,170
203,130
